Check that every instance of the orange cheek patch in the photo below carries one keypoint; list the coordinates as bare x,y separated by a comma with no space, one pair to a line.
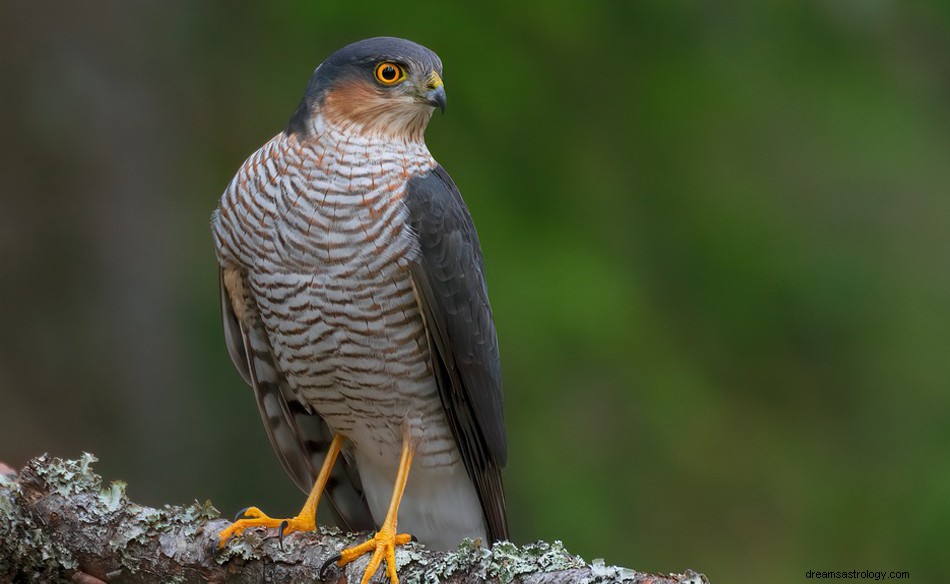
375,111
354,101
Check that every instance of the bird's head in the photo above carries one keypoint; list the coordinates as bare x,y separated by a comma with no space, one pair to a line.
384,86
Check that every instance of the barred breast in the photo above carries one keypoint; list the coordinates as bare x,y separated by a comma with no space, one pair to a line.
318,226
321,230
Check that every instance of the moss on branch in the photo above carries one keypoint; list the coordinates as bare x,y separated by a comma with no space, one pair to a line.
60,523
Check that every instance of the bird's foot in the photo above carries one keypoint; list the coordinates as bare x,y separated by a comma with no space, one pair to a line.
254,517
384,543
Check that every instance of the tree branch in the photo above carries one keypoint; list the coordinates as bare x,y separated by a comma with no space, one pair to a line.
58,523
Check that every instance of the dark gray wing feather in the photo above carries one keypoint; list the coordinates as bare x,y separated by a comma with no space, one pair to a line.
450,281
299,437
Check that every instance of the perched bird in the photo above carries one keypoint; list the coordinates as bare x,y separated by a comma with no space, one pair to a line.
355,305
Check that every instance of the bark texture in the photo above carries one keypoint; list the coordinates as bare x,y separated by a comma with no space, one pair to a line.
60,523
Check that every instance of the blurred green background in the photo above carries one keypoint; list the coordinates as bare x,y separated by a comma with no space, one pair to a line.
716,238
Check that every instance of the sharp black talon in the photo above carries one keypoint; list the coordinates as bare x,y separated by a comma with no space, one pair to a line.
240,514
280,534
413,538
323,568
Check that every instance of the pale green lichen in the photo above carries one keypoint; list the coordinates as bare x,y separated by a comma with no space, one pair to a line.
510,561
247,547
504,562
65,477
329,530
601,571
26,548
172,525
113,496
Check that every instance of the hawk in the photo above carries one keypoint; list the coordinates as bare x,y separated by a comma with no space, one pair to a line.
354,304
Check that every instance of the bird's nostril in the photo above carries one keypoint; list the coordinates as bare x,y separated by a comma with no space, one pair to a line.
434,81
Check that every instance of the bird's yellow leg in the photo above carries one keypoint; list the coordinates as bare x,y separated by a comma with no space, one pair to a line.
305,520
386,539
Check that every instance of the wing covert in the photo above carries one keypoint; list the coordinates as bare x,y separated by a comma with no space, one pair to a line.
449,279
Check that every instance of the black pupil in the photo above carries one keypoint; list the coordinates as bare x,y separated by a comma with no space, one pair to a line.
389,73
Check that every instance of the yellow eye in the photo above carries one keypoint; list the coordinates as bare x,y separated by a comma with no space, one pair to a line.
389,73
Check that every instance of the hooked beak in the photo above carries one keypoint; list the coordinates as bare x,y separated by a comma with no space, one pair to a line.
435,91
